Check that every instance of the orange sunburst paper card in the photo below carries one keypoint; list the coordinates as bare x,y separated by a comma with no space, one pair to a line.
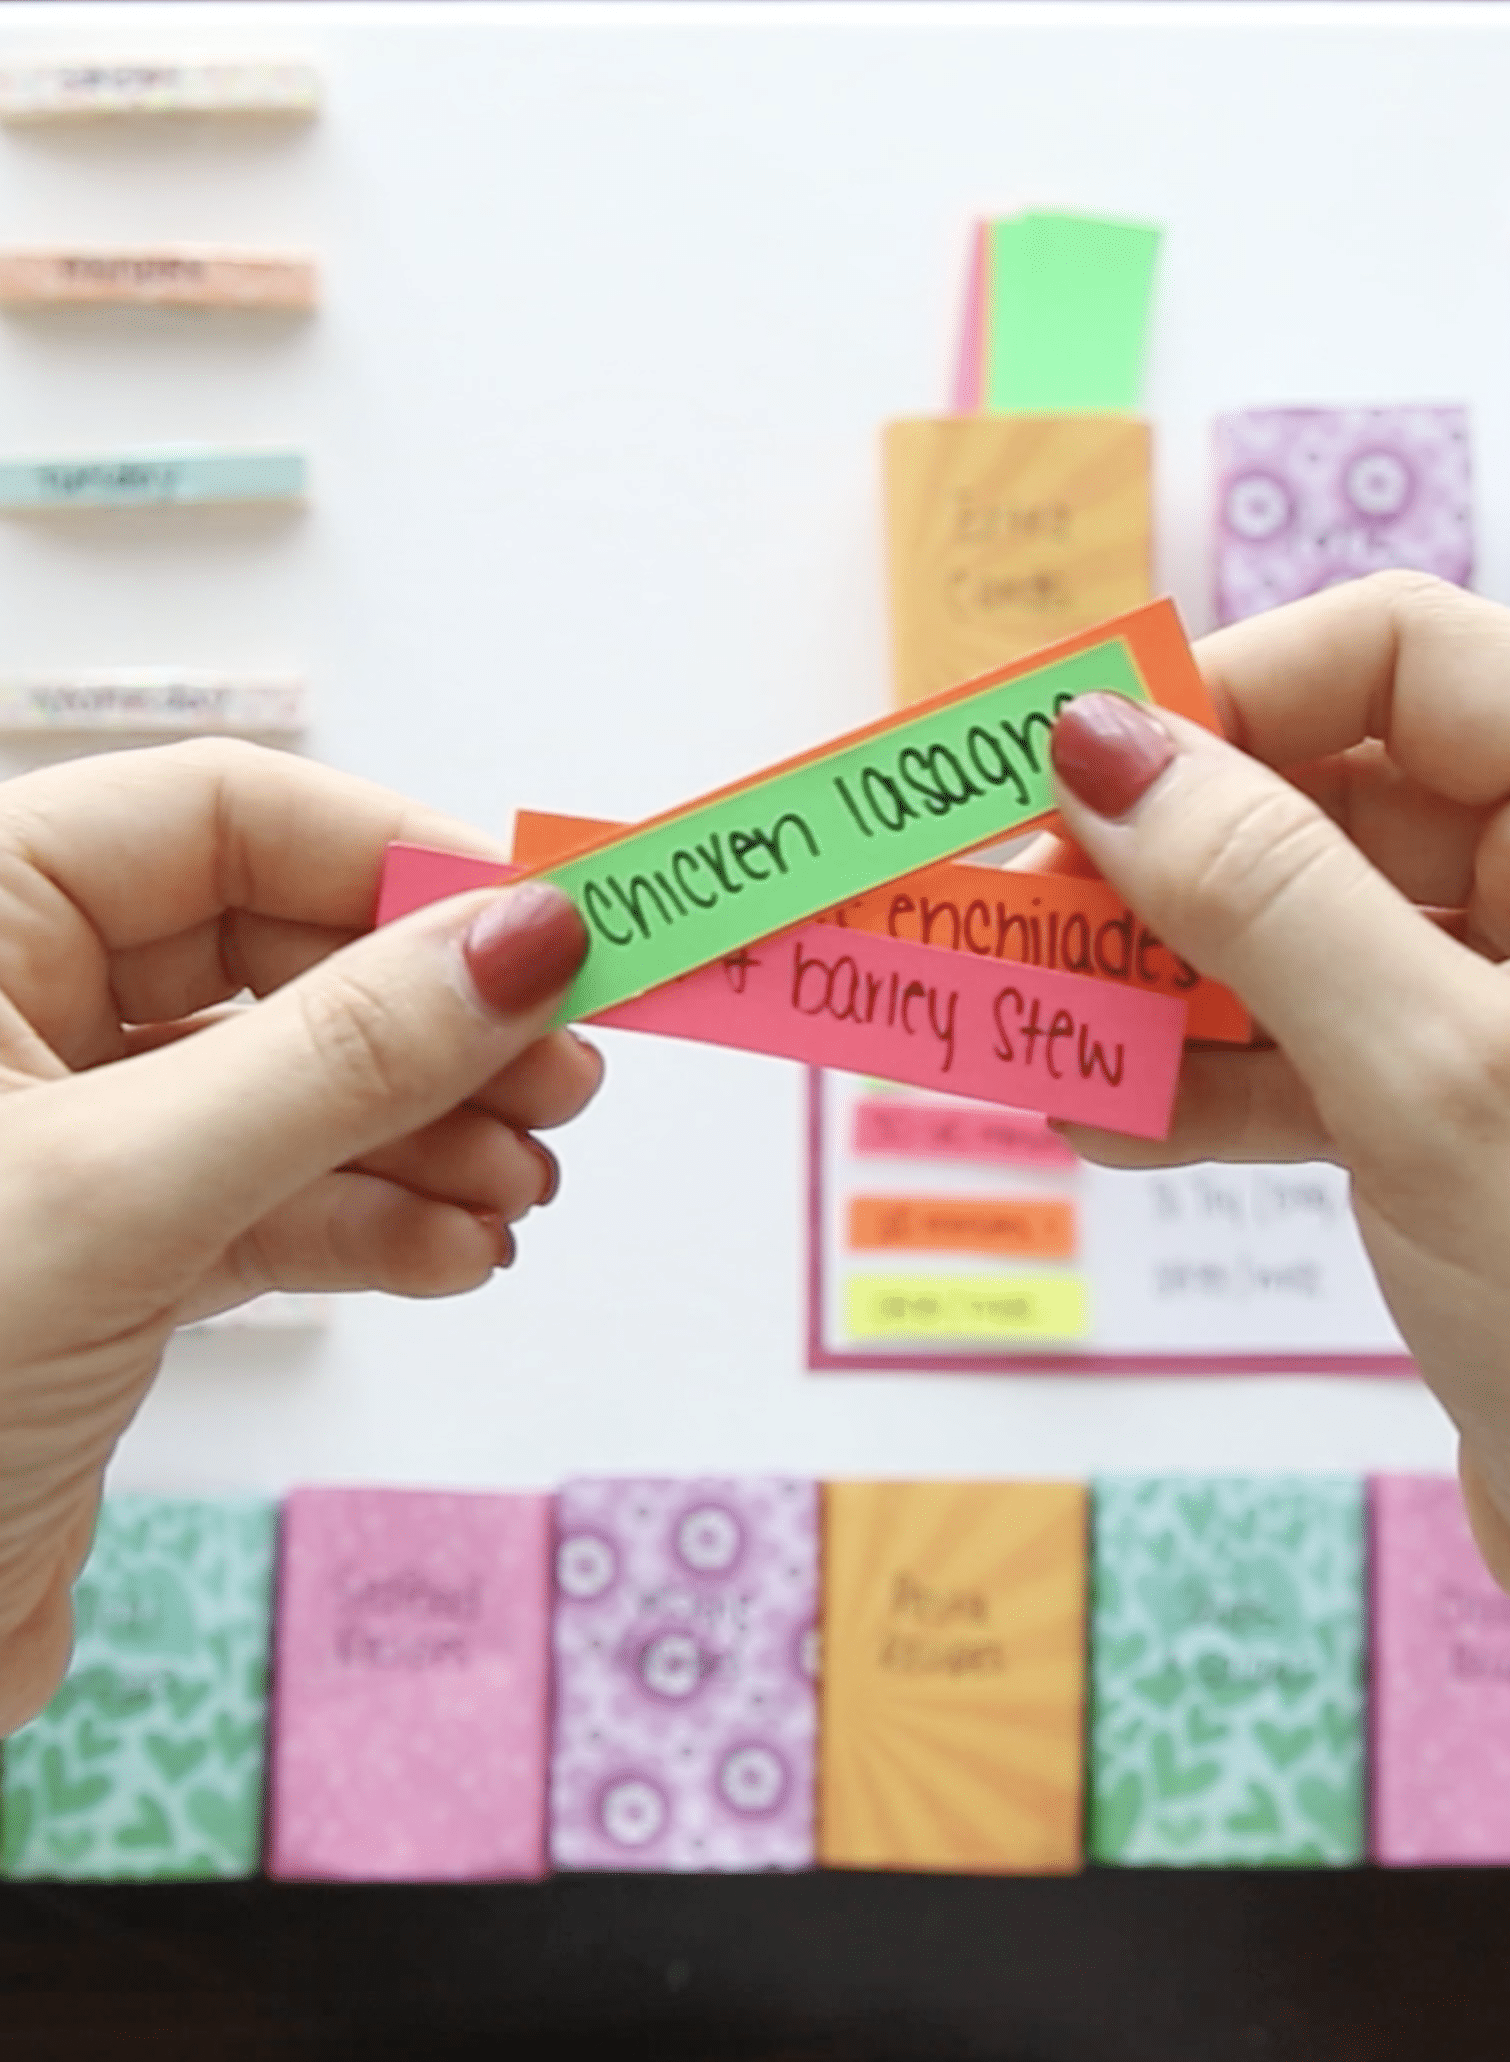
953,1676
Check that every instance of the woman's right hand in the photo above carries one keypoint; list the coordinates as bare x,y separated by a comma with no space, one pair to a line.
1369,771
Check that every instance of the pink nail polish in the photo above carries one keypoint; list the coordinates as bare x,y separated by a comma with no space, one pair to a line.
1109,751
524,947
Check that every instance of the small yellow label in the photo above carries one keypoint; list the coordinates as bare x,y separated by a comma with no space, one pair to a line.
977,1306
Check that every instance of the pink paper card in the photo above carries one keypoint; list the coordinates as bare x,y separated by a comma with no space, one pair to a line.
409,1703
1027,1036
1441,1682
970,367
933,1131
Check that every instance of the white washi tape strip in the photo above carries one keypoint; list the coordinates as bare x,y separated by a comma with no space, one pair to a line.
154,699
124,86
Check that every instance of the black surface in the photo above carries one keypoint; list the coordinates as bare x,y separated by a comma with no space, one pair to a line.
1366,1966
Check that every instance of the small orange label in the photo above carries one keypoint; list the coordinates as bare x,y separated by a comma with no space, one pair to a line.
1041,1228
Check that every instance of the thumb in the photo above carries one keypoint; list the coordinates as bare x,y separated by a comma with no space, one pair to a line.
1250,881
379,1039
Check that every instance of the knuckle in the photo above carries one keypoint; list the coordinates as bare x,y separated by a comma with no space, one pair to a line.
358,1044
1465,1078
1236,875
1401,587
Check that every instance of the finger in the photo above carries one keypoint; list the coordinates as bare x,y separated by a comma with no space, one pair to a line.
150,844
1424,843
356,1231
1412,661
472,1160
1486,1521
1247,879
213,1132
1236,1106
551,1082
193,970
25,1056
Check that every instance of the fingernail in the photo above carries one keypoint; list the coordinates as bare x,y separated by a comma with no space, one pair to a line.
524,947
1109,751
593,1054
502,1237
550,1168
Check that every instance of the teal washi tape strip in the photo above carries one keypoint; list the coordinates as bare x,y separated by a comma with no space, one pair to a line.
152,479
697,886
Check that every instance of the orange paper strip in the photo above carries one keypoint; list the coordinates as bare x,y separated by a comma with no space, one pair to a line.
1025,1227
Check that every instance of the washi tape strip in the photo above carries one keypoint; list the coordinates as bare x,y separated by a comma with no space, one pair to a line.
1077,924
167,277
121,86
939,778
151,479
1023,1036
143,698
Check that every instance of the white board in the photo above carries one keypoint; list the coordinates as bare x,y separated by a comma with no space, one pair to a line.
616,301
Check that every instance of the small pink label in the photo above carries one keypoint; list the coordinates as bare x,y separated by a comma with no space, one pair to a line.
1022,1035
409,1701
910,1131
1441,1682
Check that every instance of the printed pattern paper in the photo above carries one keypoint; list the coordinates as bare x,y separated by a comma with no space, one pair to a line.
1441,1682
1006,531
410,1710
953,1675
685,1655
1227,1657
1309,497
148,1761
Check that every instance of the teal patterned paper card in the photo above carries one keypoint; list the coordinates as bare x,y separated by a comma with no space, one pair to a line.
149,1760
1227,1668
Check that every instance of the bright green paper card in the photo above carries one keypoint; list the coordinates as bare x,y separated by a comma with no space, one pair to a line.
1067,324
1227,1671
674,895
149,1760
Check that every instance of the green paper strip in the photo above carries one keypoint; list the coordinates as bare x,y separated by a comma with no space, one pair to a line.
1068,313
676,895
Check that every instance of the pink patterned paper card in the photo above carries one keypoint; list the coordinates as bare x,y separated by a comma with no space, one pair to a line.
685,1654
1309,497
409,1734
1441,1682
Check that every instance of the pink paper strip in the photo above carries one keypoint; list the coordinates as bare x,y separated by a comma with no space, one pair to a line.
409,1703
1441,1682
1022,1035
913,1131
970,370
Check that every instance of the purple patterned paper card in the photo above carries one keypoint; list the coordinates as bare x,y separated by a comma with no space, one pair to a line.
1309,497
685,1656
